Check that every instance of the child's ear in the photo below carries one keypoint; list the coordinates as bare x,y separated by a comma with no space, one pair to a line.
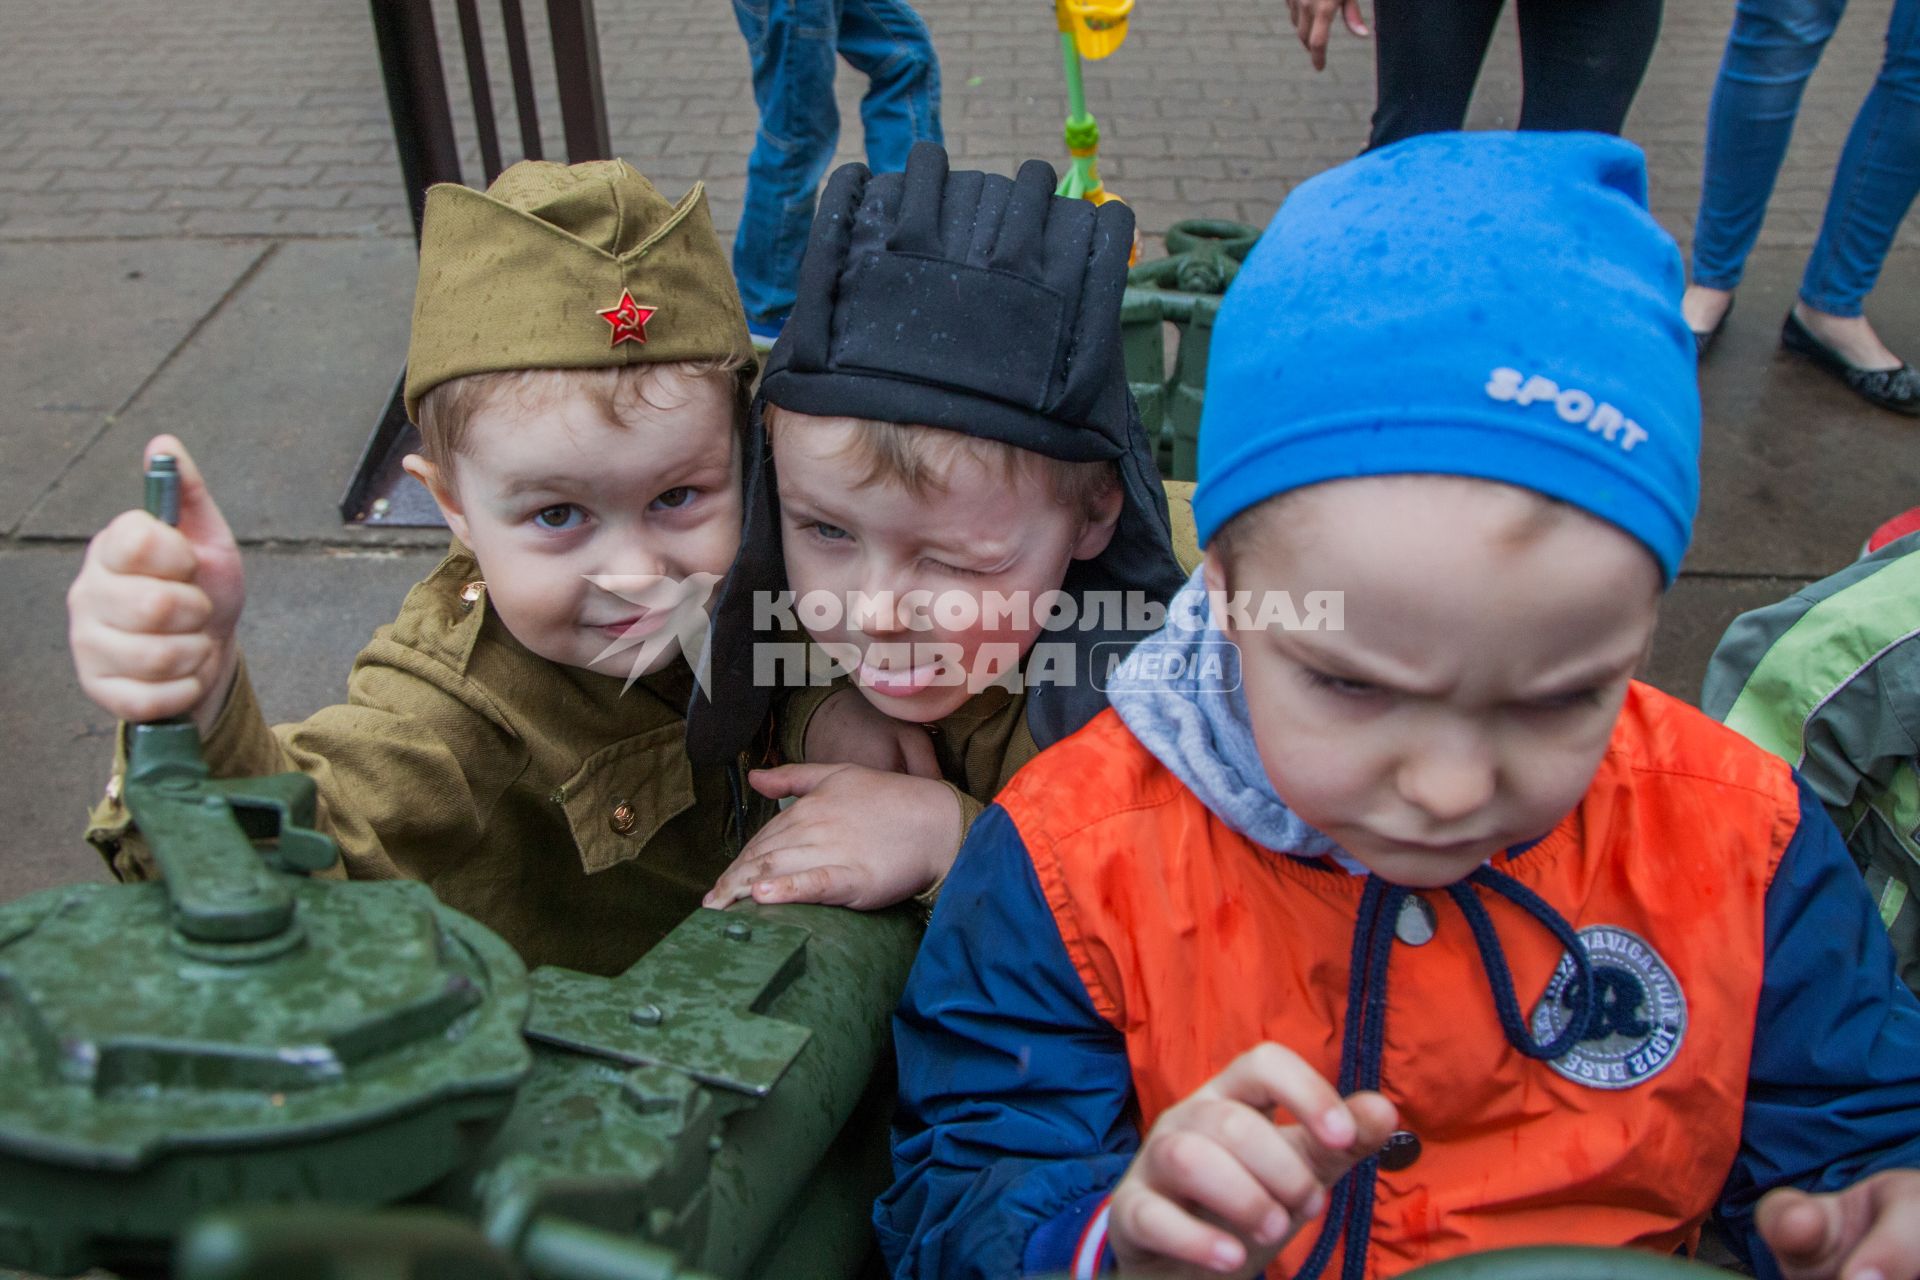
1097,532
1646,650
1214,573
440,485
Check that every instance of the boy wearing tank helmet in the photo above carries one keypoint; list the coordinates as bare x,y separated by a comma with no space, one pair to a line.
950,490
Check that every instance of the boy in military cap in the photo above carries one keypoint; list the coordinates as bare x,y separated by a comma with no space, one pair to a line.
947,472
578,369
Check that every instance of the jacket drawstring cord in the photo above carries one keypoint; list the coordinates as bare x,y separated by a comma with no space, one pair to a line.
1350,1207
1500,977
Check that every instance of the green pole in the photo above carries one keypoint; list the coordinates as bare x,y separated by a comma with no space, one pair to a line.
1082,130
1076,92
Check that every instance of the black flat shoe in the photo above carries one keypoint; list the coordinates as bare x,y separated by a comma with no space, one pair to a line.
1703,338
1895,389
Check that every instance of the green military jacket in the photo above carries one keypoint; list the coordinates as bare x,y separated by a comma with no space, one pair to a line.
538,798
1829,680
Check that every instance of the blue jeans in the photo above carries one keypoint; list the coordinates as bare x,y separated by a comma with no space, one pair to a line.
793,44
1770,55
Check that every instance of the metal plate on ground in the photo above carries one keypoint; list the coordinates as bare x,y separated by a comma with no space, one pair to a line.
380,493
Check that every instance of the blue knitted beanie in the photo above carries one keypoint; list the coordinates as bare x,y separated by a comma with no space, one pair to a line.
1498,305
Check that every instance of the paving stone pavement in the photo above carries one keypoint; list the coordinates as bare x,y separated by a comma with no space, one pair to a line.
202,230
209,118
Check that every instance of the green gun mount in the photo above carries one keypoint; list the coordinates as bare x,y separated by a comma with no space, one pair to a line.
242,1070
1182,290
238,1032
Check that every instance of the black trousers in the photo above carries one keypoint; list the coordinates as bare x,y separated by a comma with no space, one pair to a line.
1580,61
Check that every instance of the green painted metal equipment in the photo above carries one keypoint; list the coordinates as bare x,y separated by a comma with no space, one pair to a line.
1566,1263
714,1100
1182,289
237,1033
642,1145
408,1244
261,1075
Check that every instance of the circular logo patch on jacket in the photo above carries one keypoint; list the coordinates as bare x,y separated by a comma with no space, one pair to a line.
1639,1019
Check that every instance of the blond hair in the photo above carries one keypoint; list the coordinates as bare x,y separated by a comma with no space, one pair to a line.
447,410
918,458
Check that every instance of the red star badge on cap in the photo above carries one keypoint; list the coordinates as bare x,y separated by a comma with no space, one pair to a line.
629,320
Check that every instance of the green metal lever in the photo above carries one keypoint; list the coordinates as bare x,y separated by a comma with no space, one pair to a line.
202,832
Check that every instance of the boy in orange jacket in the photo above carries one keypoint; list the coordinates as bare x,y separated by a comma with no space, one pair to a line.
1360,936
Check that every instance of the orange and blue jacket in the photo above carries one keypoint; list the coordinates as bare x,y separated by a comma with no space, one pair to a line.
1710,1011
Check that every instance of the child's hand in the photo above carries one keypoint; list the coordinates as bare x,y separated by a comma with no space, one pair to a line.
856,837
1870,1231
1217,1159
847,729
151,617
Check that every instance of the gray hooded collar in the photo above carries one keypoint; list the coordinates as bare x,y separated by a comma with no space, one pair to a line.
1197,725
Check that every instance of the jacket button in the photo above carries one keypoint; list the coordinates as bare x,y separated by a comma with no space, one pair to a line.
624,818
470,594
1401,1150
1416,923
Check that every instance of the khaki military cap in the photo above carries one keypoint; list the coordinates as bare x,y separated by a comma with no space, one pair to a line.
556,266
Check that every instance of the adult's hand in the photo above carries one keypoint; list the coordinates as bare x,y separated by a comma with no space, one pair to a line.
1313,21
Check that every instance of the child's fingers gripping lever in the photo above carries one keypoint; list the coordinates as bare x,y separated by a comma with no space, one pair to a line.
853,837
1219,1186
1870,1231
151,616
